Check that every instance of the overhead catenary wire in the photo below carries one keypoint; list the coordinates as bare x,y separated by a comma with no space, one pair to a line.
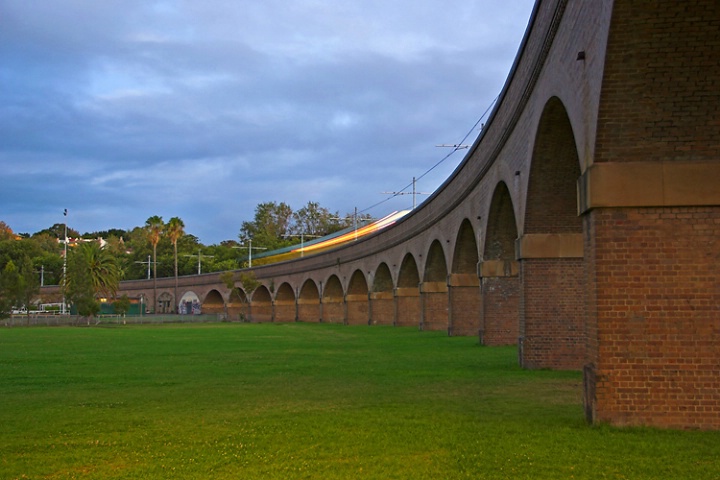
456,147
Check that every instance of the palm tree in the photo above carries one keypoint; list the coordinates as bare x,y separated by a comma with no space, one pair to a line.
92,271
154,228
105,273
175,229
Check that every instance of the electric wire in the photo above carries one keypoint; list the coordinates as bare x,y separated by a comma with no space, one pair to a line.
455,149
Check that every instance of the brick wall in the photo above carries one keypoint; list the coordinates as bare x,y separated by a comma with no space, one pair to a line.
308,311
285,311
465,308
654,339
333,311
382,308
435,306
660,88
407,308
261,312
358,309
553,309
501,304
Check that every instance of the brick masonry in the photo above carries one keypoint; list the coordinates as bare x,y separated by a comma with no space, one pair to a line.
553,309
654,339
501,310
465,308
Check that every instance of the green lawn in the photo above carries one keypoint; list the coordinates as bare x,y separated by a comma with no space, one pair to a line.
235,401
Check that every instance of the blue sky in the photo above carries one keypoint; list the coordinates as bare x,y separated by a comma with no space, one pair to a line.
123,109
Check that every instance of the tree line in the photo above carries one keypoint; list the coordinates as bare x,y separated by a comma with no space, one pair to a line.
98,261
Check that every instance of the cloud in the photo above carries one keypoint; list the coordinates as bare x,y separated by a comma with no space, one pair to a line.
120,110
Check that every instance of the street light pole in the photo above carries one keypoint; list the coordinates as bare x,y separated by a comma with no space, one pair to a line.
65,212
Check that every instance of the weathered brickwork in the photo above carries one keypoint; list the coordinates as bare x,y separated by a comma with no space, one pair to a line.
465,310
435,308
261,312
655,341
333,311
501,310
382,308
285,311
358,310
553,309
308,311
407,310
660,88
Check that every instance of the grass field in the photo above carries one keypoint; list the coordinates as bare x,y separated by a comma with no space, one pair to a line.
234,401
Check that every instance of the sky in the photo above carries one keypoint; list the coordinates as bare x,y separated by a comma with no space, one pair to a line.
118,110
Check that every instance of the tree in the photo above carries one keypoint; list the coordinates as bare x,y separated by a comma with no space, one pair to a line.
19,283
92,271
175,229
78,287
6,232
122,305
9,289
271,224
103,267
314,220
154,229
28,286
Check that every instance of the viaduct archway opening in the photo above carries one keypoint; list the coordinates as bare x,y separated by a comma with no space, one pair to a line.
552,307
238,306
261,308
285,309
464,284
358,311
189,304
382,311
213,303
499,272
407,294
434,290
333,305
309,302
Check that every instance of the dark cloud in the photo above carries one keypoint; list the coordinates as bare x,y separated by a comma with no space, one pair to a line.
120,110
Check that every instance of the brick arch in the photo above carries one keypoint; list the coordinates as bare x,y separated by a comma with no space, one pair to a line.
165,303
238,305
285,310
434,290
382,311
501,226
333,305
500,283
465,255
213,302
407,293
382,281
356,299
409,276
551,200
464,285
309,302
261,308
189,303
552,309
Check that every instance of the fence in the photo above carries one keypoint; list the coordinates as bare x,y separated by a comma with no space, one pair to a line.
75,320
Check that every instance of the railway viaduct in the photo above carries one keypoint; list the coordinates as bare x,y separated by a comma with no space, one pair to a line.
583,225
